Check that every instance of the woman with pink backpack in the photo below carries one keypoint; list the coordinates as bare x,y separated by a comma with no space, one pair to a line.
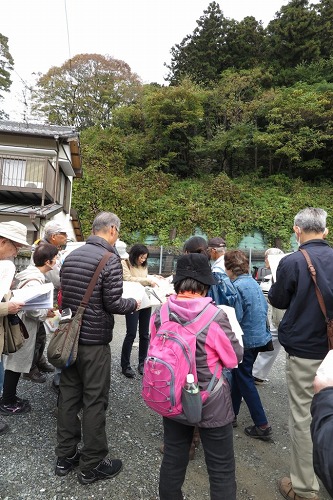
216,347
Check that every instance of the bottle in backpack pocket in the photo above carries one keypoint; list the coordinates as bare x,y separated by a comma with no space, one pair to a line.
190,385
191,400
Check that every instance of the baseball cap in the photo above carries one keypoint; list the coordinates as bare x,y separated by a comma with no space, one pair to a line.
216,242
54,227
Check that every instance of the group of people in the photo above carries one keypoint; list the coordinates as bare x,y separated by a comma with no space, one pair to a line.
204,265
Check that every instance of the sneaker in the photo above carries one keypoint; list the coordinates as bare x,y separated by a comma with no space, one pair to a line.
14,408
259,381
140,368
287,491
65,465
106,469
128,372
259,433
35,376
3,427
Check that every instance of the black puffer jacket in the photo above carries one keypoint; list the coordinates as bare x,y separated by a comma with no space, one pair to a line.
106,300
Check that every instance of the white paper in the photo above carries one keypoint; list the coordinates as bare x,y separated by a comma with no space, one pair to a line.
235,326
7,271
52,323
325,370
274,261
134,290
34,297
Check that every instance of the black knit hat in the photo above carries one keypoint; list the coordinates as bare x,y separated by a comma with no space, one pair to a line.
195,266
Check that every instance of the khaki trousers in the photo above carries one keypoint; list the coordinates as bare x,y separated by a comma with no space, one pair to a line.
300,373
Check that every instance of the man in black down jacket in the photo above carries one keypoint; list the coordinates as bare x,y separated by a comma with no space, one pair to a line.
302,332
85,385
322,430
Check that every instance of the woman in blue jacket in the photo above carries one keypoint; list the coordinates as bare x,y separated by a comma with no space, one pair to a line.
251,312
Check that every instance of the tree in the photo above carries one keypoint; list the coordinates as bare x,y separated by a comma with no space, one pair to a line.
201,56
84,91
246,44
6,65
324,26
293,37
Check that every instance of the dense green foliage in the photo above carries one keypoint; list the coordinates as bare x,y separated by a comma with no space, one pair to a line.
150,202
6,65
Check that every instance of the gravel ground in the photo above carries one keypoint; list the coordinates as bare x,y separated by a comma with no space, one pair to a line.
27,456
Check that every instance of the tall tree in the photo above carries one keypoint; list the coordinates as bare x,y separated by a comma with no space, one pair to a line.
201,56
292,36
325,27
6,66
85,90
246,44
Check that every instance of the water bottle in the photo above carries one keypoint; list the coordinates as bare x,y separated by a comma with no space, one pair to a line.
190,385
191,400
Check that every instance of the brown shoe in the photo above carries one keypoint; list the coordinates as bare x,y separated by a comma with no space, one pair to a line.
35,376
286,490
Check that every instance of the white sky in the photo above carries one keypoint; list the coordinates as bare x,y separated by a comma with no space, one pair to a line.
140,32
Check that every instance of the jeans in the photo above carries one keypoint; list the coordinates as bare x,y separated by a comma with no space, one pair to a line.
217,443
243,386
141,317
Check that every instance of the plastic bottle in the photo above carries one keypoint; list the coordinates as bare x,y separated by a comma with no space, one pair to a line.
190,385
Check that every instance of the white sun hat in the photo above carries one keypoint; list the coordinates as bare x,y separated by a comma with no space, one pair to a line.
14,231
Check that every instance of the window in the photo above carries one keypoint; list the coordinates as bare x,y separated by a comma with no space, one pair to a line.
22,172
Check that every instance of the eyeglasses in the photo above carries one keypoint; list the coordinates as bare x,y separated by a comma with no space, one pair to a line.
116,228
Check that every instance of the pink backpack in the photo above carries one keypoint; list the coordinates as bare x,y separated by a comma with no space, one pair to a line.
170,358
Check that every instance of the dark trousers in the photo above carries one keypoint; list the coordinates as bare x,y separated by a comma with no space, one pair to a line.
39,347
217,443
142,318
9,386
243,386
85,385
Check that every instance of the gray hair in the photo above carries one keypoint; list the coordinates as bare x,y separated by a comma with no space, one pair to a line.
105,220
273,251
311,220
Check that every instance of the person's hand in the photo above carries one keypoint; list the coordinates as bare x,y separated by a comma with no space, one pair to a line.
14,307
138,305
320,383
50,313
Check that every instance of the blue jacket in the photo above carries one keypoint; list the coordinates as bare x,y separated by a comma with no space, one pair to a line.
302,331
251,312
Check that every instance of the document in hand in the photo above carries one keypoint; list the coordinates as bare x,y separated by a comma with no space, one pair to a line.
7,271
35,297
235,326
148,295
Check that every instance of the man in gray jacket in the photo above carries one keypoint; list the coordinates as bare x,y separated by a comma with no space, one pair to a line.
85,385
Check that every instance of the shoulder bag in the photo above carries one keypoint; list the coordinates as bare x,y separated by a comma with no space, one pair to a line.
15,333
329,322
63,346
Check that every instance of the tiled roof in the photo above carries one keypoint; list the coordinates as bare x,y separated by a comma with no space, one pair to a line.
44,130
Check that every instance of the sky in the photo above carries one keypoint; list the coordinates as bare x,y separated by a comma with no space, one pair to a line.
45,33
